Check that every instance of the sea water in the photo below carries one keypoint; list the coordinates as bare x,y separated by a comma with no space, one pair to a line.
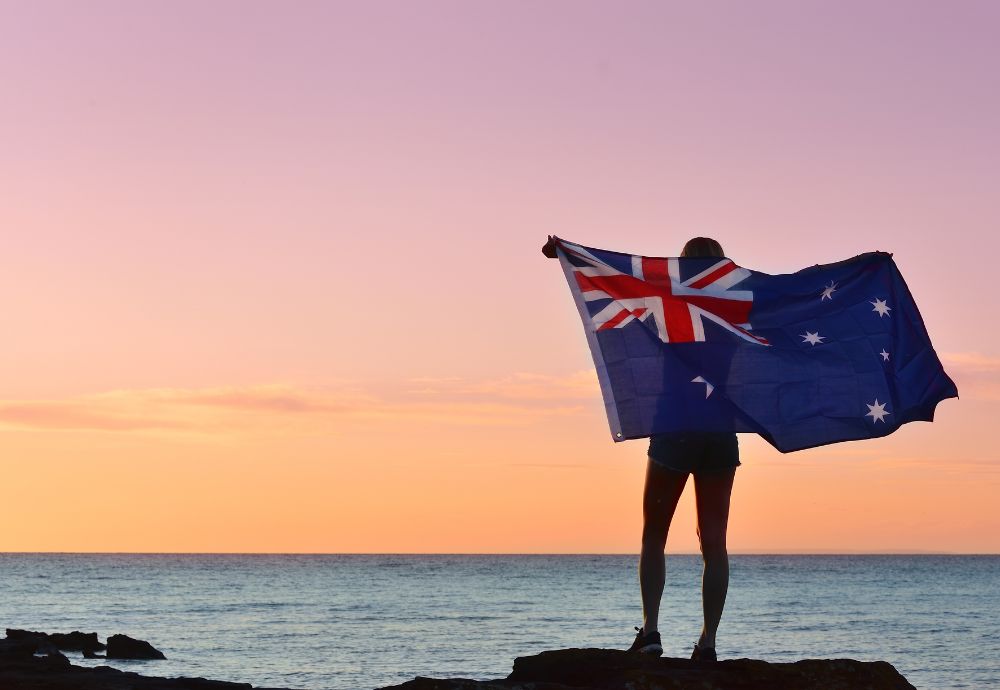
342,622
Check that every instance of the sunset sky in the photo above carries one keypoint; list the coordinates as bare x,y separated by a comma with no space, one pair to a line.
272,278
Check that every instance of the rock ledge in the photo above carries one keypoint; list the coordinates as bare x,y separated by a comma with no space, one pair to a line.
609,669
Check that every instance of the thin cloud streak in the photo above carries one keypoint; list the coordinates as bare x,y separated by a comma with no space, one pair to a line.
579,385
977,375
971,361
547,465
277,406
56,415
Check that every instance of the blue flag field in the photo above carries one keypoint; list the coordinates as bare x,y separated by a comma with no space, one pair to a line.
836,352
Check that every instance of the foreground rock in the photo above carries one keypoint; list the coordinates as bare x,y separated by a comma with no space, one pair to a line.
609,669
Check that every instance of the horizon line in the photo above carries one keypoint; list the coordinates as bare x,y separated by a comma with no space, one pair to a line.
787,552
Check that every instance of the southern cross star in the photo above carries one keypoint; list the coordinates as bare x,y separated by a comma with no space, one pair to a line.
880,307
877,411
828,291
812,338
885,355
708,387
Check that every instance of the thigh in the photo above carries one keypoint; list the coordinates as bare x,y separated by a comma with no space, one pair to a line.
712,492
662,491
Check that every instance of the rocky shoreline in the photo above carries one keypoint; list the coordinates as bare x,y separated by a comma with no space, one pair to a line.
34,661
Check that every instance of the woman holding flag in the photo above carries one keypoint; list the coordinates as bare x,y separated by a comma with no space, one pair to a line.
712,458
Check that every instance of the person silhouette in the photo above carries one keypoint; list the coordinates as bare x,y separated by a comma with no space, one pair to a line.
712,457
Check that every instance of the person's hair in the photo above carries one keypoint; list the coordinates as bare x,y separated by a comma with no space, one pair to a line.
702,246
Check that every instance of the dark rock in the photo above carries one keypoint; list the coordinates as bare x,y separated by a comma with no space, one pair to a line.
75,641
53,673
609,669
45,646
87,654
15,634
55,659
18,648
22,669
38,641
564,669
125,647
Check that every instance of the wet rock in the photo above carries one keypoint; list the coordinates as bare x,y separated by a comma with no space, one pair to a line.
125,647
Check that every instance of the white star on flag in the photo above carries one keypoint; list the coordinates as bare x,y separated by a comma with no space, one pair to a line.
812,338
880,307
828,291
708,387
877,411
885,355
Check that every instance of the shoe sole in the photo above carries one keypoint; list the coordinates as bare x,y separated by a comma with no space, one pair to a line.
654,649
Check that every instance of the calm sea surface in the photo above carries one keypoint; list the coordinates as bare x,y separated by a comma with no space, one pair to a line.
365,621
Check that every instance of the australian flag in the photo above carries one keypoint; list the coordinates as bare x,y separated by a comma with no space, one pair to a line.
836,352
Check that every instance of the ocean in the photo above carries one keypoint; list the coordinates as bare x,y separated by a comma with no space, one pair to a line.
350,622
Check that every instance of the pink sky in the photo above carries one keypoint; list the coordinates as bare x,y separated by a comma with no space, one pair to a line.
273,281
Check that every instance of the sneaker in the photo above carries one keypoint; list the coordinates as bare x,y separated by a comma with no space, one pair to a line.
703,653
647,644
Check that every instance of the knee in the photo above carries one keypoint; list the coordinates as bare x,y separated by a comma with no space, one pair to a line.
713,546
654,535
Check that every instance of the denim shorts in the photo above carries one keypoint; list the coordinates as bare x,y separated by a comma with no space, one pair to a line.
695,451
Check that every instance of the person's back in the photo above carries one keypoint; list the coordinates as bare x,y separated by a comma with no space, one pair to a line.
712,457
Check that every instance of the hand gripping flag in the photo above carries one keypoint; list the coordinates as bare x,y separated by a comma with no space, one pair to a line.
832,353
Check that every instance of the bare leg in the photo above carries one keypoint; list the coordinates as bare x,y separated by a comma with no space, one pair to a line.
712,492
659,500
